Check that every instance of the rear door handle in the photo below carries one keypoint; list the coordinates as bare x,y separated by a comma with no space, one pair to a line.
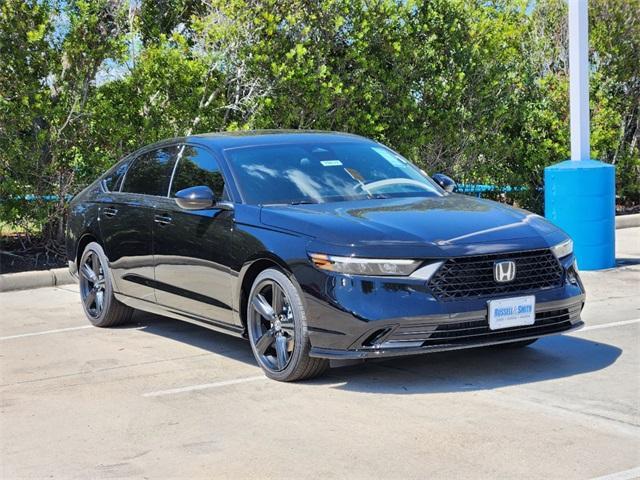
162,219
110,212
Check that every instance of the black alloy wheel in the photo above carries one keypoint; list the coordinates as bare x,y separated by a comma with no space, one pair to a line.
276,324
96,290
272,325
92,284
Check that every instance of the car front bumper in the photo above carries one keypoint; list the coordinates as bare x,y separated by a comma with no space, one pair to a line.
350,317
438,333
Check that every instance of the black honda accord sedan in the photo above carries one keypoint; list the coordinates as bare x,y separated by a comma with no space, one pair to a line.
316,247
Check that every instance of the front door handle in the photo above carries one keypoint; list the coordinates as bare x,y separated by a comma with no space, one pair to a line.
110,212
162,219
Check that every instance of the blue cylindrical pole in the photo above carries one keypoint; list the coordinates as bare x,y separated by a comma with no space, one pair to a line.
580,193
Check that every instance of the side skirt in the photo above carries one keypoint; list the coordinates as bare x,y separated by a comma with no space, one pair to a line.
180,315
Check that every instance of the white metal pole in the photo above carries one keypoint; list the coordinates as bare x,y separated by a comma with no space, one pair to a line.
579,79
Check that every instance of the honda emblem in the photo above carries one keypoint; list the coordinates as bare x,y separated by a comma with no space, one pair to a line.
504,271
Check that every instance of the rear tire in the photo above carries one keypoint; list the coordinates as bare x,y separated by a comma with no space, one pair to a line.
96,290
277,328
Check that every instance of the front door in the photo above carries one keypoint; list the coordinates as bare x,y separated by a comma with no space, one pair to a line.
192,248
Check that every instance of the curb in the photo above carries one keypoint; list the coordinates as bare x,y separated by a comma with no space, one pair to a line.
628,221
38,279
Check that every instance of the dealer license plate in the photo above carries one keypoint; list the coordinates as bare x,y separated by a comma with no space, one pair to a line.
512,312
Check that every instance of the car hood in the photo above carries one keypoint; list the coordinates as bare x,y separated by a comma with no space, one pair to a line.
443,223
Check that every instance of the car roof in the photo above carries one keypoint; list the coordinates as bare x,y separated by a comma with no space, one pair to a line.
225,140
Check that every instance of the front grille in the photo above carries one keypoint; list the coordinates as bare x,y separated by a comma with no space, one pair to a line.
472,277
478,331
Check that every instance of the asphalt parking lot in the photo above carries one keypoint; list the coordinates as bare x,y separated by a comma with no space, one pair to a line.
163,399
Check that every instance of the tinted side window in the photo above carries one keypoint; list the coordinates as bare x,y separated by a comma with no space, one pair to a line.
150,172
197,167
113,178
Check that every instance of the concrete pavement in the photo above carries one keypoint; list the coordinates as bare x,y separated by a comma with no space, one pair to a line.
163,399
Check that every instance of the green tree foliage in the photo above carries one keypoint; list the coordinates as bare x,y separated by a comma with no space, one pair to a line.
472,88
51,53
161,17
614,27
615,37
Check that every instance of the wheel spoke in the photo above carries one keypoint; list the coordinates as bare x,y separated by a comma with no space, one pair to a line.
88,273
264,342
281,351
99,300
90,298
262,307
95,264
277,297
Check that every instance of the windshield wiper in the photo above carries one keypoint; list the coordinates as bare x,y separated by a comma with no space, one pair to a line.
302,202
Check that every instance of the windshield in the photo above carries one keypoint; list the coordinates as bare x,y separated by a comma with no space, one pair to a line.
325,172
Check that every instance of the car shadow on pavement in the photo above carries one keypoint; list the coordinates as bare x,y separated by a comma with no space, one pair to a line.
457,371
476,369
215,342
627,262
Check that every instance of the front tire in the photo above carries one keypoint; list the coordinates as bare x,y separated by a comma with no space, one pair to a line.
96,290
277,327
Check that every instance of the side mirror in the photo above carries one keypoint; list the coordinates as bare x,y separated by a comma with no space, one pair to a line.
196,198
447,183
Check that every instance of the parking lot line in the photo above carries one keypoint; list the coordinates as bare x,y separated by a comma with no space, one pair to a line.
46,332
204,386
609,325
624,475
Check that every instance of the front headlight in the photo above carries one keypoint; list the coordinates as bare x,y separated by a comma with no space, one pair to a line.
364,266
563,249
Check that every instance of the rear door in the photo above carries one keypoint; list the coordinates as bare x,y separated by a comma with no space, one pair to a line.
126,223
192,248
